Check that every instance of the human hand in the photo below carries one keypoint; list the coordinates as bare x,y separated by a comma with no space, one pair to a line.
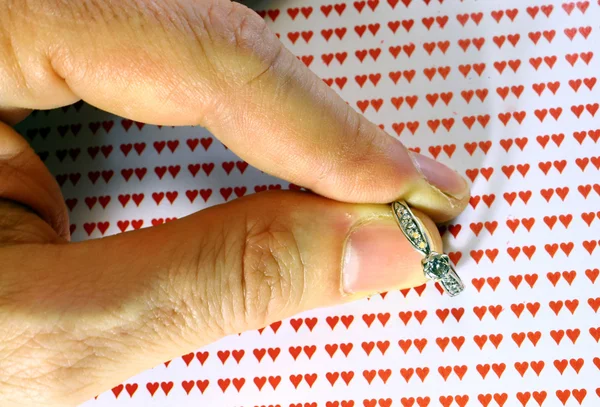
79,318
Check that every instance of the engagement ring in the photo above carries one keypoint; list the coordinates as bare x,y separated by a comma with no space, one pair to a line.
436,266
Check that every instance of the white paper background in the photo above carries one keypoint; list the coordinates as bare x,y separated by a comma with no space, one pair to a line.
414,391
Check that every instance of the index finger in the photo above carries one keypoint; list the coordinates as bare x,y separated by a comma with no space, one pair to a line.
215,63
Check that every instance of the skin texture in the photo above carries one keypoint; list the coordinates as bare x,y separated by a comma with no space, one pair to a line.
79,318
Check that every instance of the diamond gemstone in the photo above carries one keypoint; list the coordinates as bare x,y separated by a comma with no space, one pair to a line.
436,265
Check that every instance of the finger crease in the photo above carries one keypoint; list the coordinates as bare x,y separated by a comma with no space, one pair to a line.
268,68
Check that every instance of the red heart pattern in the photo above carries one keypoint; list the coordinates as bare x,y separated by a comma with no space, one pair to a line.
506,92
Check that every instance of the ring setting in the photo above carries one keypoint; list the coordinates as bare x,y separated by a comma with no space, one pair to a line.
436,266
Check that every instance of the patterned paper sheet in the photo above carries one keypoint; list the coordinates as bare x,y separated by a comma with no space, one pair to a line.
505,92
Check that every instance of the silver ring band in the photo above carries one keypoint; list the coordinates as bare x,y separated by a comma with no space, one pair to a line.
436,266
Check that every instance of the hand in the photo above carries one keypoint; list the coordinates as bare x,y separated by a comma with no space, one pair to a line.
79,318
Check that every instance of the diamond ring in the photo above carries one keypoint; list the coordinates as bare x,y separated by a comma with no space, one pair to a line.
436,266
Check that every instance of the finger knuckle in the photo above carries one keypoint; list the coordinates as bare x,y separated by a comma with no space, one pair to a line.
248,28
272,272
242,46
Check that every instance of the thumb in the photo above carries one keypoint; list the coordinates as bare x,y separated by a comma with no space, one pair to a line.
102,311
246,264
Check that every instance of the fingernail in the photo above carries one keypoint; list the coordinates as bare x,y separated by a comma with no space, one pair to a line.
378,258
440,176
